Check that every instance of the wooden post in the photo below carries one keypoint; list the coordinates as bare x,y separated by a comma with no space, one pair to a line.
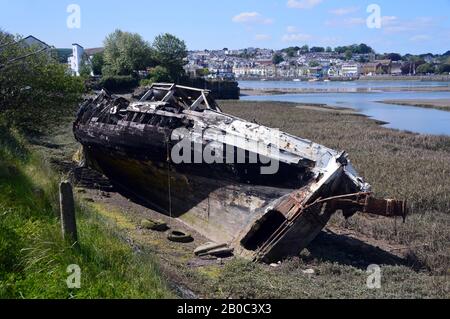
67,208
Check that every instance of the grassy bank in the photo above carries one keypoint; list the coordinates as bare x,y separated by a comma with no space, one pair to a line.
438,104
34,258
414,257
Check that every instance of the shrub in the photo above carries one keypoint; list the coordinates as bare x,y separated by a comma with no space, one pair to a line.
119,83
146,82
36,91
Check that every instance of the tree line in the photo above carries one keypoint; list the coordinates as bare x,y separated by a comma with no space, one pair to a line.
37,90
125,54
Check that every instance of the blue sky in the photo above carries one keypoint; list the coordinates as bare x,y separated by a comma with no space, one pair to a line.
406,26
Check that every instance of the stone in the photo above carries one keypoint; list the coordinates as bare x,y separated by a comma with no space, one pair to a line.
208,247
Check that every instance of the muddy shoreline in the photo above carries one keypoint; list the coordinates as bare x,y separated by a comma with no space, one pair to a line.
438,104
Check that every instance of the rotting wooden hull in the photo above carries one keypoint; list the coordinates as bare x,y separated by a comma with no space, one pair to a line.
263,217
216,209
223,211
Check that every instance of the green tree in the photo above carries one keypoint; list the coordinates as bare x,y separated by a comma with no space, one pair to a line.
425,68
98,62
329,49
277,58
394,56
348,54
159,74
125,53
355,49
317,49
444,69
291,51
85,68
363,49
36,91
170,53
203,72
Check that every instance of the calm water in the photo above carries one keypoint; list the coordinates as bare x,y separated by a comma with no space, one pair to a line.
337,85
414,119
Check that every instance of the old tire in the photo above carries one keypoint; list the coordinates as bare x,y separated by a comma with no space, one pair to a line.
179,237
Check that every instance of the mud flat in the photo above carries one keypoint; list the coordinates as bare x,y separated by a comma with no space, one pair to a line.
438,104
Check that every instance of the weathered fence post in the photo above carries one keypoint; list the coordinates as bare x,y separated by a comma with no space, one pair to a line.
67,208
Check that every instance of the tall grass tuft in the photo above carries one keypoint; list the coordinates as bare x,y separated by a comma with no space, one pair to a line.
33,256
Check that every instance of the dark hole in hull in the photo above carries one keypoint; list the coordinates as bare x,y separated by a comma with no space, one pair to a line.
262,230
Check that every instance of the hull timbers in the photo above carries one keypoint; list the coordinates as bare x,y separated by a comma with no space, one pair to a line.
264,193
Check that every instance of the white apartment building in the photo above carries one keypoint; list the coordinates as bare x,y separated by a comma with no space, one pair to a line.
76,59
265,71
350,69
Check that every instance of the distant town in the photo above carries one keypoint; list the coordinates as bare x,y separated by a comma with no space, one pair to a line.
292,63
349,62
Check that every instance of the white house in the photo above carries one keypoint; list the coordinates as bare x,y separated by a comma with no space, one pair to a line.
35,42
350,69
80,56
38,45
75,61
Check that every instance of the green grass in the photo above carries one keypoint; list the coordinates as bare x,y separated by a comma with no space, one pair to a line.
33,256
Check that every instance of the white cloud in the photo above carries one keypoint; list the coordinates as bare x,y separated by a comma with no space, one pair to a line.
344,11
251,17
291,29
329,41
347,22
303,4
295,37
262,37
387,22
392,24
420,38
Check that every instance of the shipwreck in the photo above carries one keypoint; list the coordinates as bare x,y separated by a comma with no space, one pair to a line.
264,193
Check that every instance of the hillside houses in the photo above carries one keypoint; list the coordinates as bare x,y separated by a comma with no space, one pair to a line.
258,63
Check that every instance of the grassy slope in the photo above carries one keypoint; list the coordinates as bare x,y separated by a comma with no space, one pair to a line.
34,258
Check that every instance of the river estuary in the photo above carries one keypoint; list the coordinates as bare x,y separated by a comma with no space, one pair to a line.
349,95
